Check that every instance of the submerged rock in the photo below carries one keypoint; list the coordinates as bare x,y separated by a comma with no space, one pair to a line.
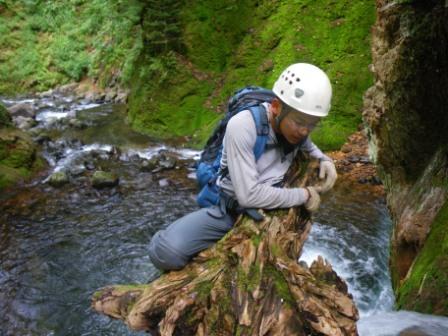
102,179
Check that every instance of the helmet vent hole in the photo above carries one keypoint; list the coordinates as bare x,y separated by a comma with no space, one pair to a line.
281,92
286,78
290,82
293,75
297,79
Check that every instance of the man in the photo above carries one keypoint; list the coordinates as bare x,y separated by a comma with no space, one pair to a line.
303,97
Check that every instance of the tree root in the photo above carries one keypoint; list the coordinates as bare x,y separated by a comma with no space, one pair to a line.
249,283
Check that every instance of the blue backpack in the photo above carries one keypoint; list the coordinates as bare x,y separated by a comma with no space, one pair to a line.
248,98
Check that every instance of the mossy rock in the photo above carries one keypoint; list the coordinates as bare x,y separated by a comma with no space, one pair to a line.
58,179
5,117
18,156
17,150
425,289
102,179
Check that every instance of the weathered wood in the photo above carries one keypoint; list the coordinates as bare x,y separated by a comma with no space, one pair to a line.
249,283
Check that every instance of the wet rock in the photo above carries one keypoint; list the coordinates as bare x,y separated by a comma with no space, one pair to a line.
110,96
77,170
46,94
58,179
67,88
353,159
135,158
413,331
121,97
102,179
22,110
42,138
164,183
24,123
5,117
149,165
100,98
89,165
76,123
167,161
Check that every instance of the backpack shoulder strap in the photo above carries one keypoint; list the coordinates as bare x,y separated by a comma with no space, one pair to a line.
260,116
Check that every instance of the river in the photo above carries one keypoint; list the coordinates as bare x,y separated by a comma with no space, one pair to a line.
58,245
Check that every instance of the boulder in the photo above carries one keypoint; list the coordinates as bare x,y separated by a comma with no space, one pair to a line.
58,179
167,161
149,165
24,123
5,118
102,179
23,110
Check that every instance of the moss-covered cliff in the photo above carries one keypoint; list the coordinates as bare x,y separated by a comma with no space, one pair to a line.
406,112
221,46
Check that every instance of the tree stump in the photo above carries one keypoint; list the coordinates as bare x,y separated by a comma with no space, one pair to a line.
249,283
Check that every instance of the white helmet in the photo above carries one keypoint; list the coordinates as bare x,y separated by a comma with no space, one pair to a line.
306,88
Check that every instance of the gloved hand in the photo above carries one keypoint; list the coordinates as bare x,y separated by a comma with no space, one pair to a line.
328,171
313,202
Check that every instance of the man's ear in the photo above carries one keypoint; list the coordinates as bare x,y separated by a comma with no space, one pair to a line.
276,106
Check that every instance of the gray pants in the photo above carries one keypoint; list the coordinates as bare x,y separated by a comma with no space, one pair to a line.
172,248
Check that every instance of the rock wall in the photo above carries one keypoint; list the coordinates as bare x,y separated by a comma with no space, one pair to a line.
406,114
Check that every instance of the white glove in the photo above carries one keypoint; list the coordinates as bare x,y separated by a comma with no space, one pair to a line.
313,202
328,171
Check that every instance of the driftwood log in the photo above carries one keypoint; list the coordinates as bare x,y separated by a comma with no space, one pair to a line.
249,283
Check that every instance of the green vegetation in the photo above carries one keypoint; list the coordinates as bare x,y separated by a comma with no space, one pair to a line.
426,287
229,45
5,118
183,59
44,43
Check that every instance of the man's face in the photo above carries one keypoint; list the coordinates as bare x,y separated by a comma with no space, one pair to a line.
296,126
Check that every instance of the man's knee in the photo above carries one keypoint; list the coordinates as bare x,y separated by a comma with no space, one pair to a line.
164,256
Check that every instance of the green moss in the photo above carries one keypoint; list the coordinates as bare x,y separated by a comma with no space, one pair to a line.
203,290
46,43
426,287
281,286
5,118
18,157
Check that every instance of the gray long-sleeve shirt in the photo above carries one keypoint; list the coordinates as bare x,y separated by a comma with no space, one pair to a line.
250,181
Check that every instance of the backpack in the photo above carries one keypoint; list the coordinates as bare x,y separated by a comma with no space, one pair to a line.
248,98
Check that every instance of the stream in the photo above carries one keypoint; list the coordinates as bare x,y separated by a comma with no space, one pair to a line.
59,245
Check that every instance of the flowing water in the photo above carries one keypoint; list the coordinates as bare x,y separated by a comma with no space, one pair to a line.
57,246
